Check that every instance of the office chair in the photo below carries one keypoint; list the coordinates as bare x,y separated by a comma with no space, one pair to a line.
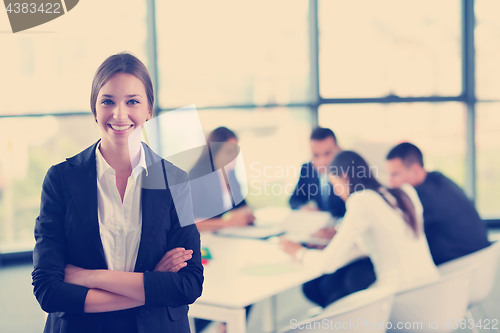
435,307
364,311
484,264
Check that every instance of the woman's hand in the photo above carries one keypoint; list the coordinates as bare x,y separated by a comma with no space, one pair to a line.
174,260
325,233
241,217
290,247
79,276
310,207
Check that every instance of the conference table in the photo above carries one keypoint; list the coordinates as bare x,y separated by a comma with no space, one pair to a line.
243,272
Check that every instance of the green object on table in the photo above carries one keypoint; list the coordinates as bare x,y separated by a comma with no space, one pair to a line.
205,253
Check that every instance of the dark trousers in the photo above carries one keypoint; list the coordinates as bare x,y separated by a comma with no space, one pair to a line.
328,288
201,324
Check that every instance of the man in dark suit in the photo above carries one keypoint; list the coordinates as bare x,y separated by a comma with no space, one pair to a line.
452,225
313,186
314,192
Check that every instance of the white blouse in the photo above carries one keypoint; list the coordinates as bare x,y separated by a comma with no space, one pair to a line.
400,259
119,223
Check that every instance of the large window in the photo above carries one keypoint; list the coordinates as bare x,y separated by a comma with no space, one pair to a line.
224,52
487,33
29,146
373,129
50,72
274,143
389,47
252,67
488,159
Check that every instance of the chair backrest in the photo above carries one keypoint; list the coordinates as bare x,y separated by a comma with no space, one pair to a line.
483,264
435,307
364,311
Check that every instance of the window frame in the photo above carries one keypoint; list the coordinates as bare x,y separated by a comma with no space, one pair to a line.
467,96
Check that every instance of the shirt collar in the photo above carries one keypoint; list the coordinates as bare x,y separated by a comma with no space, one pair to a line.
103,166
141,165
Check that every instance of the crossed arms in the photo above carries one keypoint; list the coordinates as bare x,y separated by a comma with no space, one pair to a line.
114,290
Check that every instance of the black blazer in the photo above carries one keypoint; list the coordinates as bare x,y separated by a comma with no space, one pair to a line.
67,232
451,222
308,189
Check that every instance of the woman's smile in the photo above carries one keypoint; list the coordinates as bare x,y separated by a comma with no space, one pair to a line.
120,129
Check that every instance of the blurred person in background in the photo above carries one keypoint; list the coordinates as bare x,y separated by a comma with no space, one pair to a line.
313,191
387,223
221,193
217,199
451,222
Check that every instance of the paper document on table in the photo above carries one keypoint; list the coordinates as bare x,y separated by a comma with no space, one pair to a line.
300,225
255,232
307,222
271,215
269,269
310,242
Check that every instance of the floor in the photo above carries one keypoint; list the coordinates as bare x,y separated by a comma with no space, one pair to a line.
20,313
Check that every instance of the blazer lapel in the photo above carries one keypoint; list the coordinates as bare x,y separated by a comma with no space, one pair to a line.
82,184
154,208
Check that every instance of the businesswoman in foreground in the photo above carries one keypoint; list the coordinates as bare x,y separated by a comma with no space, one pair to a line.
387,223
111,254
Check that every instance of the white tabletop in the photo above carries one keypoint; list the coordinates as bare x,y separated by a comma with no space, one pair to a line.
246,271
